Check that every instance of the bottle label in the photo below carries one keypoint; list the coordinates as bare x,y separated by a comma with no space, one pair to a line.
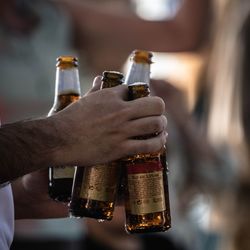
146,188
68,79
100,182
63,172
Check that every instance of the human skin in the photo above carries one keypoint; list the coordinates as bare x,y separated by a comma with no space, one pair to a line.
101,32
72,137
96,129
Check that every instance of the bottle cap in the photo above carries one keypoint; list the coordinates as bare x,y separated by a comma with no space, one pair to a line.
67,61
142,56
111,79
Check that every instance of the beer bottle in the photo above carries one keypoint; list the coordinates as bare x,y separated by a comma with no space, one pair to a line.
95,187
146,184
67,91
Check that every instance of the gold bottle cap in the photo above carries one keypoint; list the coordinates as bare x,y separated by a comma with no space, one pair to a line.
67,61
142,56
138,90
111,78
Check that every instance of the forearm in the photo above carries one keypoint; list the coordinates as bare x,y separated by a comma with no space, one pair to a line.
28,206
27,146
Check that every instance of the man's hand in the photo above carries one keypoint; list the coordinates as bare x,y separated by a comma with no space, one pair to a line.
96,129
99,127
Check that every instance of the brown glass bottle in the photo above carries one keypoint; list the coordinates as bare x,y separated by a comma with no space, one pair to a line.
95,188
67,91
146,184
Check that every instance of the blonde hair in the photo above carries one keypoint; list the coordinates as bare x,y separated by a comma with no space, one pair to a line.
225,116
225,75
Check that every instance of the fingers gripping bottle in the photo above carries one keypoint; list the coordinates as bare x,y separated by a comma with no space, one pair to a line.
95,187
146,185
67,91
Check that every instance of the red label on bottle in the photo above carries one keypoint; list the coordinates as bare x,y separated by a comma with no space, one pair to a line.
145,167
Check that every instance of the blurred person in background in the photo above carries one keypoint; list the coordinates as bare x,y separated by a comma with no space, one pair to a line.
224,120
33,35
228,118
111,34
36,32
216,166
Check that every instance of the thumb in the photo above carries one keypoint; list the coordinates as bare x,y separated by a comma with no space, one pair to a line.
96,85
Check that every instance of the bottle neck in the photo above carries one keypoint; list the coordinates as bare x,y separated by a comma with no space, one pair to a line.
138,90
138,72
67,81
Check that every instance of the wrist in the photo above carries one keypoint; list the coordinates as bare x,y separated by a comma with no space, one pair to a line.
34,144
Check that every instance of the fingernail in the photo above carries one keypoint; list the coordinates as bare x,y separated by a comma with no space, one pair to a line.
97,81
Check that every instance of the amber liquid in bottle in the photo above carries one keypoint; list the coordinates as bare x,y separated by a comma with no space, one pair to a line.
95,187
146,183
67,92
60,185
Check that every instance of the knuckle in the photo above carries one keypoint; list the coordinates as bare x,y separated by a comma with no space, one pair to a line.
145,147
159,142
157,124
163,138
128,149
164,121
160,103
124,112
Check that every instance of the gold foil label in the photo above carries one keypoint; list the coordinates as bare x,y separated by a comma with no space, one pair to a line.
100,182
63,172
146,192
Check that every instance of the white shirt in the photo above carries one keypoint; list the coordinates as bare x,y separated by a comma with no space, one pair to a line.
6,217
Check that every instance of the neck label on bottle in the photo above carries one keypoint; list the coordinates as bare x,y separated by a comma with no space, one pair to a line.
66,80
63,172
